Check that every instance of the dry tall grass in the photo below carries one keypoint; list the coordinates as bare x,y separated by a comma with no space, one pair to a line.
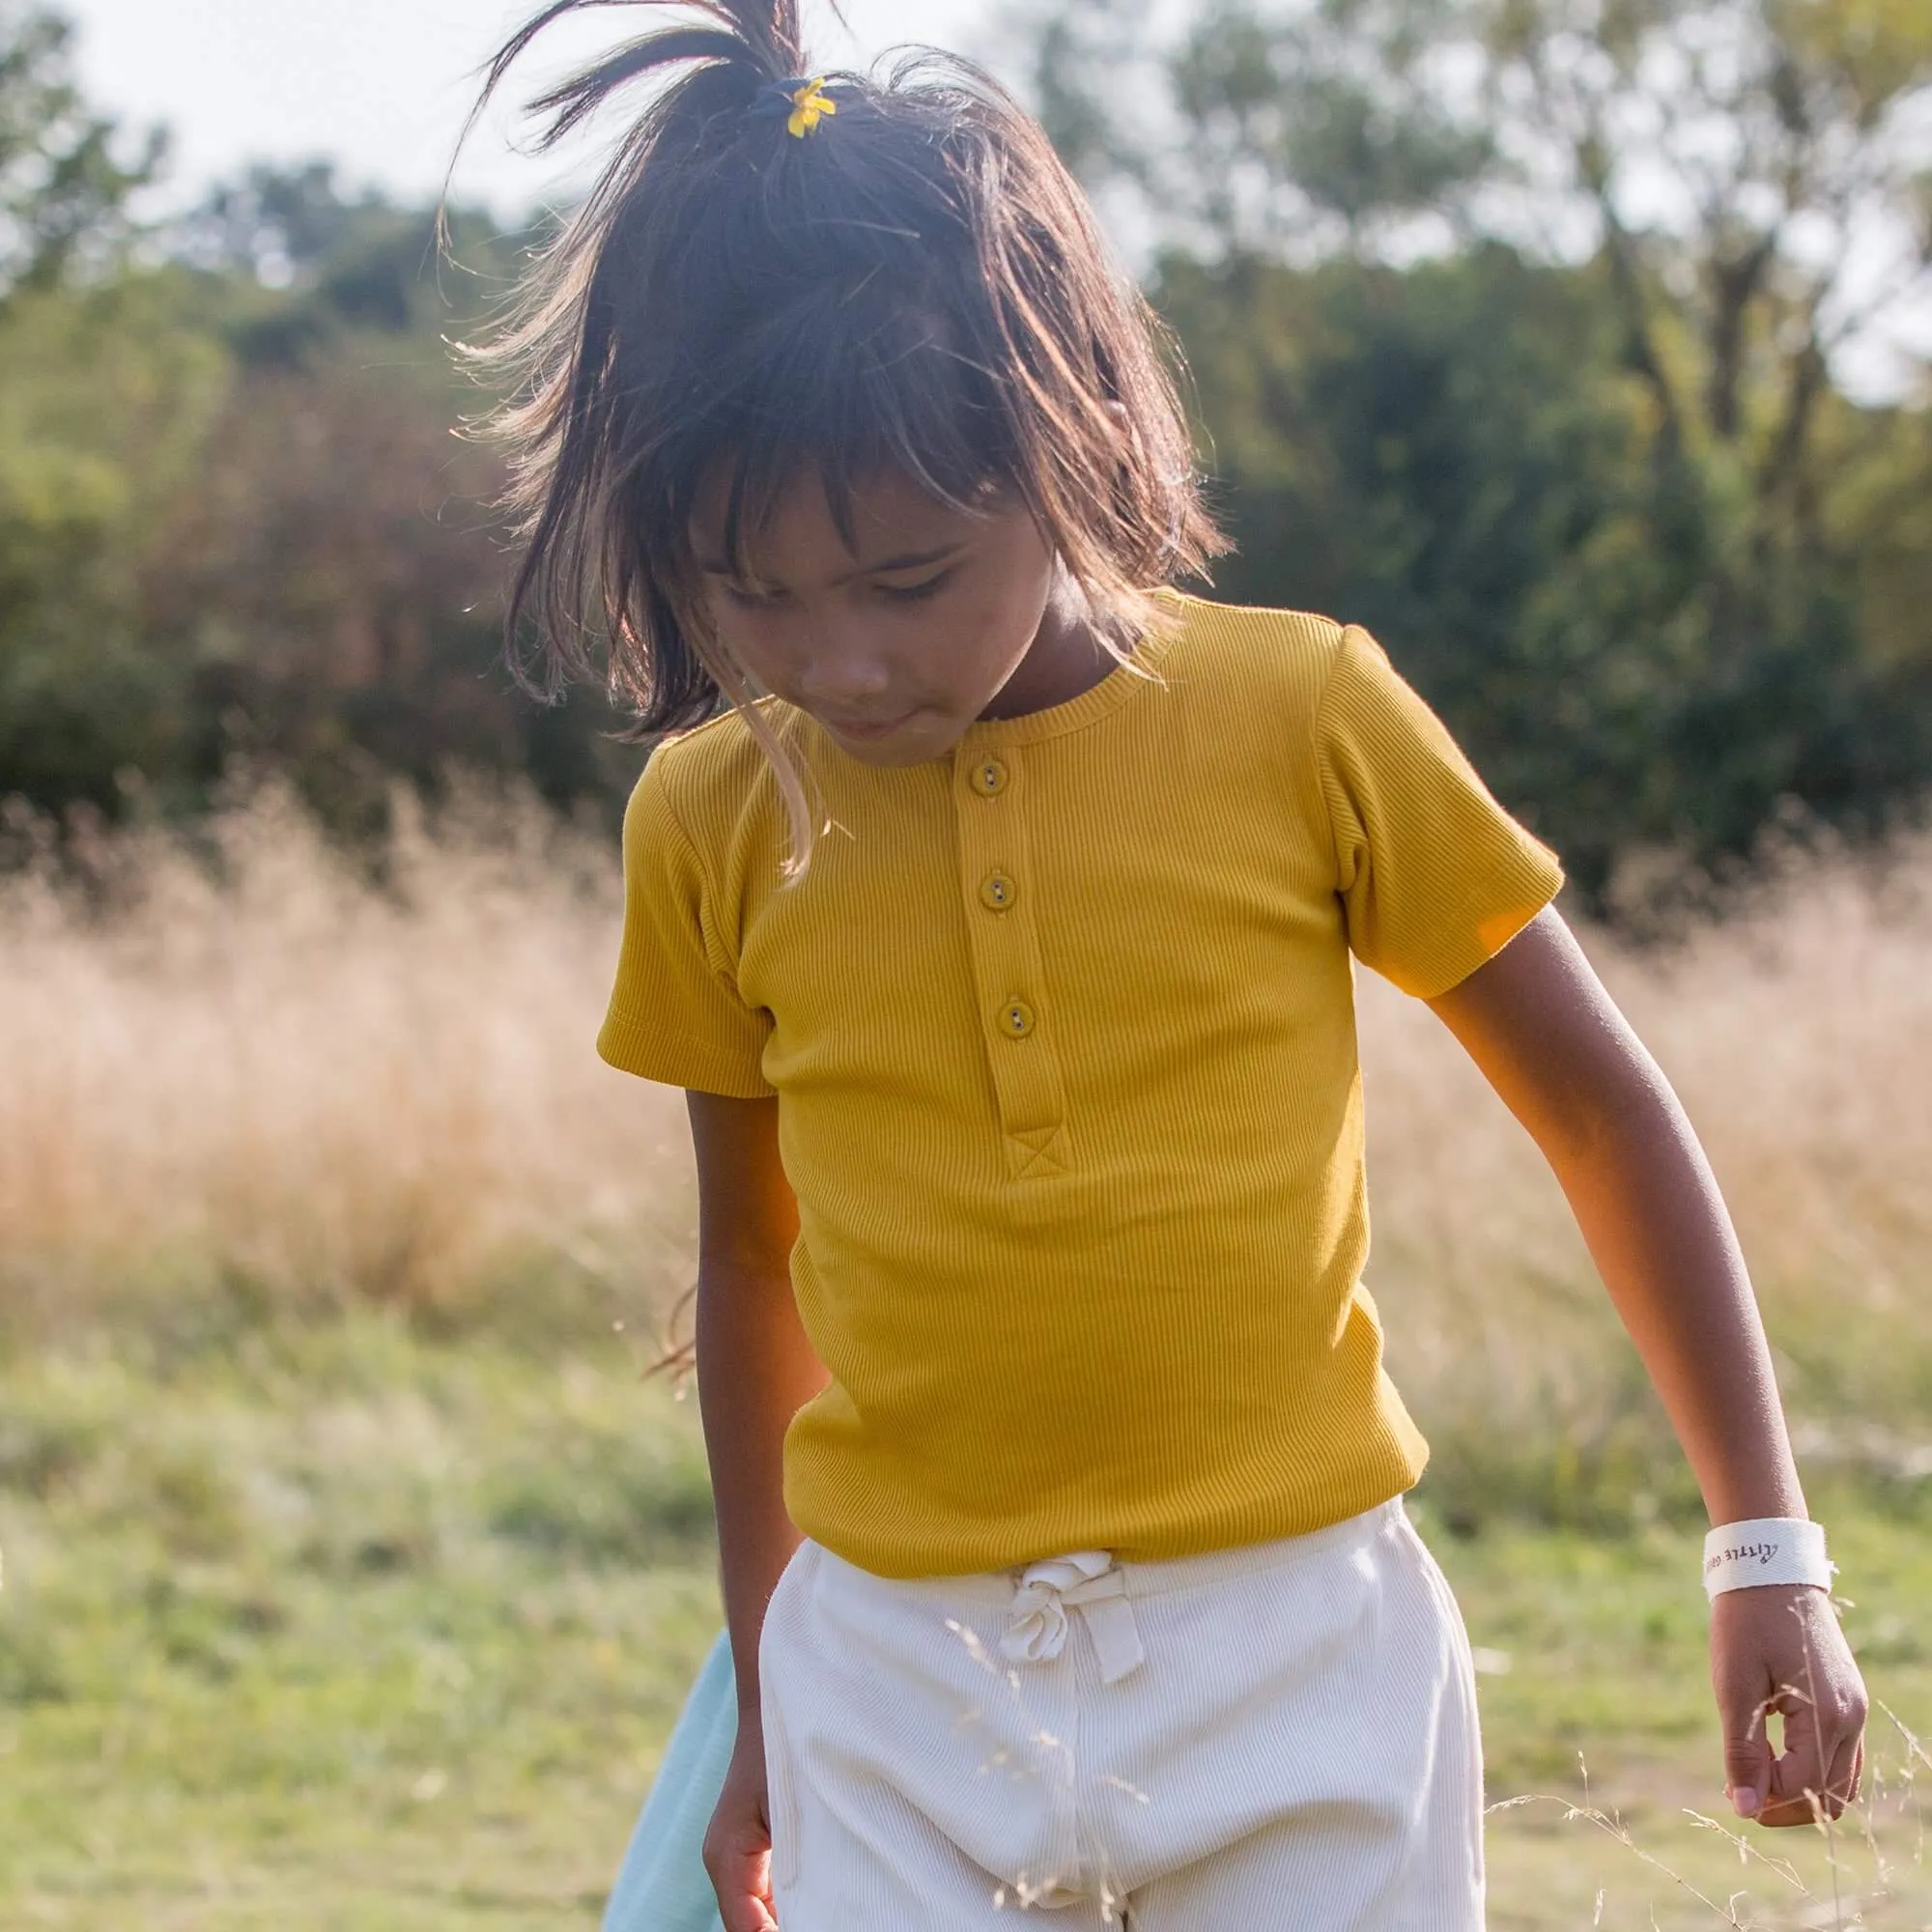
1799,1037
247,1066
274,1075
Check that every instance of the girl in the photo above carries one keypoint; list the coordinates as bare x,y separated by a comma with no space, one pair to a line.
996,911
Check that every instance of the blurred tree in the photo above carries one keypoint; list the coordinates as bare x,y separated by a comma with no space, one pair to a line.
1514,327
106,399
330,261
334,572
1450,454
1756,174
63,191
235,519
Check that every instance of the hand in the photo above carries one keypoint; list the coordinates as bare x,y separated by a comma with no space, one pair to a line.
738,1845
1780,1648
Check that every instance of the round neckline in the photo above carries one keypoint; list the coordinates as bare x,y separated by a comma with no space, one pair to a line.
1125,681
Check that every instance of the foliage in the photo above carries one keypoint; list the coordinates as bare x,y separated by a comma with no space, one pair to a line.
100,394
236,522
1451,454
106,397
63,191
1517,330
1515,326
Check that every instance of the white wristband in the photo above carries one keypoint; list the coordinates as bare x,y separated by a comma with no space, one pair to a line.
1766,1549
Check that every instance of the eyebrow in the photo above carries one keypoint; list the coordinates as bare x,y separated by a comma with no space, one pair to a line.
912,560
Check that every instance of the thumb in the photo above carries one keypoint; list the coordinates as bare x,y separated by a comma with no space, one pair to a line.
1742,1711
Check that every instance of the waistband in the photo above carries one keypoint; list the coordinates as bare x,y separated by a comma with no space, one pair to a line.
992,1591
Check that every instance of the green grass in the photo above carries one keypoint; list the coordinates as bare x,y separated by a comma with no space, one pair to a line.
342,1626
355,1631
1602,1644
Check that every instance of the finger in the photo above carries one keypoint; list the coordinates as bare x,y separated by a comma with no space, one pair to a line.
1741,1712
741,1876
744,1909
1849,1706
1798,1781
1847,1769
745,1915
1824,1760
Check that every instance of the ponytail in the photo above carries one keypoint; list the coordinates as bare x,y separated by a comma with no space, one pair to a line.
762,38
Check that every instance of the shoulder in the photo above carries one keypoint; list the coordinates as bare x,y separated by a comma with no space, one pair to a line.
1252,652
707,812
1260,679
714,763
714,780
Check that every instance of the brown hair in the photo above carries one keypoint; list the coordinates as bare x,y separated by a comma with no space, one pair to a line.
919,284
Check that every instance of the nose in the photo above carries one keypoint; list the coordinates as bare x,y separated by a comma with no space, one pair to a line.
837,671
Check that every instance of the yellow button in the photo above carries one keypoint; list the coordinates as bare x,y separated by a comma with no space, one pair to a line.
1016,1019
990,777
997,892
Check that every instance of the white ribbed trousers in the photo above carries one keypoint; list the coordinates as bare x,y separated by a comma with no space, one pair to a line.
1275,1739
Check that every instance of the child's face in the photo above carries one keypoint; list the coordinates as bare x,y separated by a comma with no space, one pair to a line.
897,643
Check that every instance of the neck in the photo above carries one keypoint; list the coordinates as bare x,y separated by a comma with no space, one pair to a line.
1065,660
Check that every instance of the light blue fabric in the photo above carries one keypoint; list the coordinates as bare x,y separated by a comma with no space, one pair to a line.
663,1887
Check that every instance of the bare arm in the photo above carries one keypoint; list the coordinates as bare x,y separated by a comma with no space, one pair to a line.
1548,1038
756,1369
1551,1042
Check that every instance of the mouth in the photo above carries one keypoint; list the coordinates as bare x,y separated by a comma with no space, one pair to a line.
865,730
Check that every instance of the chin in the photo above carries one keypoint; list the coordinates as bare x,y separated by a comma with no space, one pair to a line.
917,743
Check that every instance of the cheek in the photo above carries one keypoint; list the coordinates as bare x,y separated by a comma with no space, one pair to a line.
1009,607
753,640
1028,570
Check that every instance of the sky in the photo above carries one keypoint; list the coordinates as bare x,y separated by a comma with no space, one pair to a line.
383,86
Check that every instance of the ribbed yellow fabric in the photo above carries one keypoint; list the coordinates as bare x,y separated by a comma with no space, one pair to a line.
1063,1033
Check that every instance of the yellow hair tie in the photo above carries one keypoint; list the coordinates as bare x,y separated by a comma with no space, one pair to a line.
809,106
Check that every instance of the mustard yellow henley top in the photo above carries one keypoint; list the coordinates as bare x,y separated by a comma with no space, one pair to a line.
1062,1030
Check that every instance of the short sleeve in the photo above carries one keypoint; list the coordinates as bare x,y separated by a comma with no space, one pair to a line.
1434,876
676,1011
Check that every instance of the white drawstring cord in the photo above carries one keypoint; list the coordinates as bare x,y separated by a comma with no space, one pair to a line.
1086,1582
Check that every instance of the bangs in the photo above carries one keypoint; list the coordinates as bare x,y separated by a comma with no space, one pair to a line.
844,388
835,316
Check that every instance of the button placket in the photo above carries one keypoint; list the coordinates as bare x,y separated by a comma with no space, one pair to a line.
1001,909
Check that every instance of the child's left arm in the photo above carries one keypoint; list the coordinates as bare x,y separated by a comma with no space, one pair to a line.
1549,1039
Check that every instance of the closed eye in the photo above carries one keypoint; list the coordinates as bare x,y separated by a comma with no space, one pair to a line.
915,593
749,598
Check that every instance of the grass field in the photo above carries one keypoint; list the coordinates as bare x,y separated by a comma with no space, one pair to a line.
344,1628
354,1575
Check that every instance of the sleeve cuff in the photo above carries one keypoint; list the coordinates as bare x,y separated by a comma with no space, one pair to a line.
1491,934
653,1052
